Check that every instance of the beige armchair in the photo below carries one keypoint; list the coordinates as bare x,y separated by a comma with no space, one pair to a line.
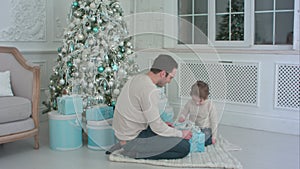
19,114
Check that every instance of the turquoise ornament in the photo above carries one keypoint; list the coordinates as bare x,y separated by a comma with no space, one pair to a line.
115,67
59,49
75,4
100,69
113,103
96,29
69,63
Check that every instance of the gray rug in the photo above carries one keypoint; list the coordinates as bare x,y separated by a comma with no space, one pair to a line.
215,156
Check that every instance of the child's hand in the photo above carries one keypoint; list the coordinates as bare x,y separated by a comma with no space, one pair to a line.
181,119
213,140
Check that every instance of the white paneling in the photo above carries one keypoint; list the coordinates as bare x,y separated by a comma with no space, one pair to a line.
148,34
61,11
26,20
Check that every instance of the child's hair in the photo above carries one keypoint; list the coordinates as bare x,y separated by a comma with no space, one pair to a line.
200,89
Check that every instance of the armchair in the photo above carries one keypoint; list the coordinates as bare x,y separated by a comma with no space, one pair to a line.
19,114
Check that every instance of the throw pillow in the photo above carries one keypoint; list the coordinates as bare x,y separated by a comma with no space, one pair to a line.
5,87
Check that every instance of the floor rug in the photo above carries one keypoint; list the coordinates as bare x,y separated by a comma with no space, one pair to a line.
215,156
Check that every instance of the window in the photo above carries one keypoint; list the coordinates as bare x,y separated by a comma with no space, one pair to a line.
228,22
193,12
274,22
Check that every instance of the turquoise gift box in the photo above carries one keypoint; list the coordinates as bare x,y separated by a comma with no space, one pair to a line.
100,135
197,141
100,112
70,105
65,131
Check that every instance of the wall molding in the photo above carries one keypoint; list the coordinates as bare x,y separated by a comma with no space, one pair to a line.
28,21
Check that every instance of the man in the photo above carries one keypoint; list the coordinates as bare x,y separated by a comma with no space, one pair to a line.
137,123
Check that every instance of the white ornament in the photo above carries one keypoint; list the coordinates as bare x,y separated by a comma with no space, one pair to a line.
128,44
116,91
62,81
108,69
110,83
91,85
121,43
80,37
129,51
93,19
93,5
76,74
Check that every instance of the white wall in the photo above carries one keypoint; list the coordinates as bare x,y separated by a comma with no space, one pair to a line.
35,27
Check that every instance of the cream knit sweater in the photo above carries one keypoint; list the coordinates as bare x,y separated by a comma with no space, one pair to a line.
204,116
137,108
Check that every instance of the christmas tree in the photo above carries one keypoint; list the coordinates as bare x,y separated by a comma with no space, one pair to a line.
96,57
235,30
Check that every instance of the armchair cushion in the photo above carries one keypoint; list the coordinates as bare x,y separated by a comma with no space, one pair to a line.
14,108
5,87
16,126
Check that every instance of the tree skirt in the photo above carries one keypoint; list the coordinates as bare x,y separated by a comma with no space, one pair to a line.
215,156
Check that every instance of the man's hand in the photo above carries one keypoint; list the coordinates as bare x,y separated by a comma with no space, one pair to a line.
169,124
187,134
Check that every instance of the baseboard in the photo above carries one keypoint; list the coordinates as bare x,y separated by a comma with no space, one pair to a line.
258,122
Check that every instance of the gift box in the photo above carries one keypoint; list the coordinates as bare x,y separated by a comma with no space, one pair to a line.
100,112
70,105
197,141
100,135
65,131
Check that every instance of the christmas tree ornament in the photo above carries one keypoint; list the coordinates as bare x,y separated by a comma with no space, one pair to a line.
96,29
80,37
59,49
69,63
116,91
62,81
75,4
108,69
100,69
113,103
115,67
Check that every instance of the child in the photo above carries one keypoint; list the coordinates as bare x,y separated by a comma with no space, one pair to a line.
202,111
